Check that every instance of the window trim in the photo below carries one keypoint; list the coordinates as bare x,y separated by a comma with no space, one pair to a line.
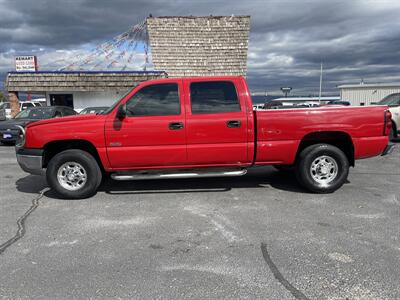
214,113
155,84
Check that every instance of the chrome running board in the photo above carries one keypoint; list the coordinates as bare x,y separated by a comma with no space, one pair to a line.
145,175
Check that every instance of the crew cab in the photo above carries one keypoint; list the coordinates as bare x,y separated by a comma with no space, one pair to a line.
200,127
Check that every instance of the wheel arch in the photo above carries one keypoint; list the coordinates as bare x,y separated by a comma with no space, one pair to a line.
339,139
394,126
54,147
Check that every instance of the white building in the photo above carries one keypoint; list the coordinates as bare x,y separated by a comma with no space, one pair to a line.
364,94
78,89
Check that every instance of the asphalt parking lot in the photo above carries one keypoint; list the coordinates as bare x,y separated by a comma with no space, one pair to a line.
259,236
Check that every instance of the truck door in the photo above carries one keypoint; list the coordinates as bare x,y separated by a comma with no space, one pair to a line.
216,121
153,132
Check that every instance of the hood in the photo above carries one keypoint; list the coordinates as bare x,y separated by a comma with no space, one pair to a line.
10,124
67,119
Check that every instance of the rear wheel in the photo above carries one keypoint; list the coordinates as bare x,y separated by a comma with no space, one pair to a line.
74,174
322,168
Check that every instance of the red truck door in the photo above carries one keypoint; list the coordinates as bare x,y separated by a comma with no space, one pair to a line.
153,132
216,121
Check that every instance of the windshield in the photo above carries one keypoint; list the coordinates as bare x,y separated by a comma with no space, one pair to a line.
111,108
93,110
388,100
36,113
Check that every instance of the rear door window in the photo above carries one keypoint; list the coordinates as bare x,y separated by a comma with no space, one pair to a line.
210,97
68,112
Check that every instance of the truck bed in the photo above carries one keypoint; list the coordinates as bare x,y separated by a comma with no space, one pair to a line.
280,131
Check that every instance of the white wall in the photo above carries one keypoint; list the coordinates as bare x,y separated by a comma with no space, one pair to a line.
86,99
366,95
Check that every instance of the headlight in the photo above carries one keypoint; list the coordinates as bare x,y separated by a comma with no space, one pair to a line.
21,141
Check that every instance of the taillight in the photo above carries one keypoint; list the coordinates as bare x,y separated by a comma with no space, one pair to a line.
387,123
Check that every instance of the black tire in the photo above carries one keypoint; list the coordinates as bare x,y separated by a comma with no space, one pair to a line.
89,165
336,161
392,134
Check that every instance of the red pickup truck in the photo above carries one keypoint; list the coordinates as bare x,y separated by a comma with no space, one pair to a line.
200,127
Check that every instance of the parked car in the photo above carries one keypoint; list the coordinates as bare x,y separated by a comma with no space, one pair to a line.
273,105
10,130
307,104
200,127
39,101
393,101
338,102
93,110
258,106
5,107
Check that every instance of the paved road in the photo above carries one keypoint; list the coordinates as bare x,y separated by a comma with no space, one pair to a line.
259,236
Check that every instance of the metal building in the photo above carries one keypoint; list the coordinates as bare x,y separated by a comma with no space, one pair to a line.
364,94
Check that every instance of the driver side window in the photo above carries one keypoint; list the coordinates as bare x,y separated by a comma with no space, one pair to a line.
155,100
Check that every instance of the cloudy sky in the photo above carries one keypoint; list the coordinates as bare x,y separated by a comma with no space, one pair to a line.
354,39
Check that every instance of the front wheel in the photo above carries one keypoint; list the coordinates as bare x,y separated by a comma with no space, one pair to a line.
74,174
322,168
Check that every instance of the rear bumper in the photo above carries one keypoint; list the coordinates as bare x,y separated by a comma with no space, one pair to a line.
388,149
30,160
369,146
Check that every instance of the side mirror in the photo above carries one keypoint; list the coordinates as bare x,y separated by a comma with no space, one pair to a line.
121,113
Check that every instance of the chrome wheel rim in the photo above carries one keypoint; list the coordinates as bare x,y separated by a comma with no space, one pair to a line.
324,170
71,176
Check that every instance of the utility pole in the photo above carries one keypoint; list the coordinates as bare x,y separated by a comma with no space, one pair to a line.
320,86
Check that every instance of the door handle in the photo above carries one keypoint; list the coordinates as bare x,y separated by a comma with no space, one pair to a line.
233,124
175,125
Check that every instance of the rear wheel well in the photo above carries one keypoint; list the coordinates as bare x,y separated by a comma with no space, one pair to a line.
338,139
394,128
55,147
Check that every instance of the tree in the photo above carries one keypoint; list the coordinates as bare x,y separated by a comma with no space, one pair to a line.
2,97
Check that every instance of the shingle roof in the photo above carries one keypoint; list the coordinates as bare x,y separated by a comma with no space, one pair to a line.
84,81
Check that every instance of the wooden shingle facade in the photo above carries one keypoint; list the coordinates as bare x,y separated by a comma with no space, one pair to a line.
77,81
199,46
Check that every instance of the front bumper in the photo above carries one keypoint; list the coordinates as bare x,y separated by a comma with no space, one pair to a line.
30,160
388,149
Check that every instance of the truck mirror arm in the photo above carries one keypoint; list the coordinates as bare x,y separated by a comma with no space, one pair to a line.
121,113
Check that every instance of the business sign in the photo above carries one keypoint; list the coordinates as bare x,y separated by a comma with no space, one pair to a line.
26,63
